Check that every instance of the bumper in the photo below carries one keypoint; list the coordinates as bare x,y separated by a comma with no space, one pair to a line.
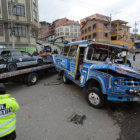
123,98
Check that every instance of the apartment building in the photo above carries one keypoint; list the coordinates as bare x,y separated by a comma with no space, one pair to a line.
44,30
19,23
70,31
60,29
101,28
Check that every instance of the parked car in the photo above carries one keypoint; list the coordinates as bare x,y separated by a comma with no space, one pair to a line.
12,59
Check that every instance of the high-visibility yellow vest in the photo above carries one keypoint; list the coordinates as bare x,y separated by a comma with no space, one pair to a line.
8,107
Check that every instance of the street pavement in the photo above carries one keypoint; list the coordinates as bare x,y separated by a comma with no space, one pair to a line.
45,109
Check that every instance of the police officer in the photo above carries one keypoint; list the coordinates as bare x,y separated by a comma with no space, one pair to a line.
8,107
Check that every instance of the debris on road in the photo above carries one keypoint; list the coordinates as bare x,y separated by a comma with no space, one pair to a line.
77,119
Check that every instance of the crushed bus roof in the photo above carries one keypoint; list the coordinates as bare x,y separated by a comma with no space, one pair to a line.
98,43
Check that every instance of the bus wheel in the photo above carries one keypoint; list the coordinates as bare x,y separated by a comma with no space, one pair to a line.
95,97
65,79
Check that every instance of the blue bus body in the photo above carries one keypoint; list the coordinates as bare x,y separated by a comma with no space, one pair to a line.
118,81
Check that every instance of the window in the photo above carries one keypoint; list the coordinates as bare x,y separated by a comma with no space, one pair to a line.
85,37
61,29
75,30
17,10
35,15
71,26
25,54
16,53
105,34
94,26
6,54
67,33
114,38
105,26
94,35
33,33
73,51
19,30
75,35
71,34
65,51
89,37
82,32
1,29
66,29
98,54
85,31
61,33
89,29
71,29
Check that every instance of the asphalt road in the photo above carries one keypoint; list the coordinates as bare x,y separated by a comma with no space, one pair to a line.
45,109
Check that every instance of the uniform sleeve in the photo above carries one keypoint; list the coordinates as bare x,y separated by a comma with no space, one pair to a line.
15,105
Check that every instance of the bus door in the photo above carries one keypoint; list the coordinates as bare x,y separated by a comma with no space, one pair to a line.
76,54
73,60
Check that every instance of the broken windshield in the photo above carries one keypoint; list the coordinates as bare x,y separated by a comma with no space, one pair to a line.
115,55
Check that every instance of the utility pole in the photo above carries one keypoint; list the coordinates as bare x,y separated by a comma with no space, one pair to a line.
12,25
110,28
135,30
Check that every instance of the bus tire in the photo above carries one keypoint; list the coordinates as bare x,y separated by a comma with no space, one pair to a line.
95,97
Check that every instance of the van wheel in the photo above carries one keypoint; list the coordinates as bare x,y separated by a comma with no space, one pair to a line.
11,67
31,79
65,79
94,97
40,62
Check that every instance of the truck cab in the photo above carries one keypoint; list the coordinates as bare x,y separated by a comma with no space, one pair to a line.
102,69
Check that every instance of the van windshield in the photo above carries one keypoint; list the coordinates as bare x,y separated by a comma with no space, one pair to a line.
115,55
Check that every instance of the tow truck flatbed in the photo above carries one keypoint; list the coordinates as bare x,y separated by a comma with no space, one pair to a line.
29,75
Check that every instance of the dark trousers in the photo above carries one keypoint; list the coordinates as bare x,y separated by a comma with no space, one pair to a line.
11,136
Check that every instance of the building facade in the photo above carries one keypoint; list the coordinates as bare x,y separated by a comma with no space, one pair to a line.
69,31
101,28
44,31
60,29
19,23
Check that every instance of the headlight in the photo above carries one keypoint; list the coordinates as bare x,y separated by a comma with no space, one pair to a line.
116,81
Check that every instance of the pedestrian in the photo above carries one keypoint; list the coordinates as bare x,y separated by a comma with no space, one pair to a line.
8,107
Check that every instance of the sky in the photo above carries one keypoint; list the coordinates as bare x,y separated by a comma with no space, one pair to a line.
128,10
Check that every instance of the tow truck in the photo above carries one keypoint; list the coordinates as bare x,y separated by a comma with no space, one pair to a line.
29,76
